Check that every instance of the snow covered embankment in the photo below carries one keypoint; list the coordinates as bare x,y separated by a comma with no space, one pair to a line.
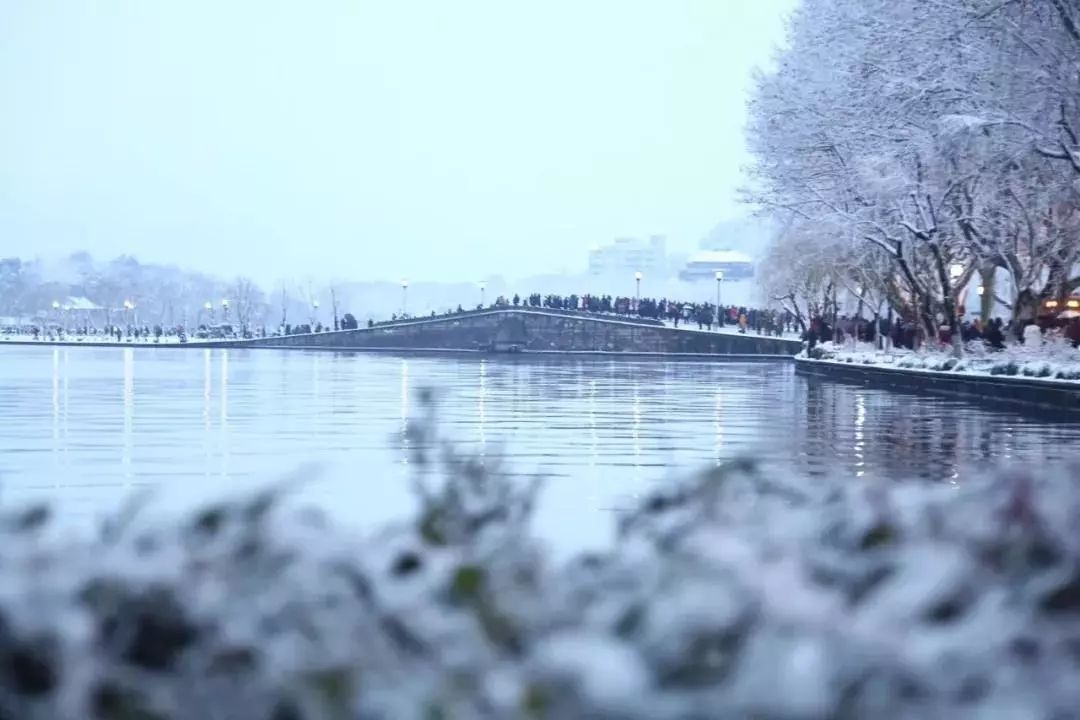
732,595
1053,360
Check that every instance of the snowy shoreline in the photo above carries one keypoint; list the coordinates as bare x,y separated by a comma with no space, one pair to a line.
1054,364
1010,380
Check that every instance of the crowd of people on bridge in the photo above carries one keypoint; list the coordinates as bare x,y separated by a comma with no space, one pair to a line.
658,311
704,315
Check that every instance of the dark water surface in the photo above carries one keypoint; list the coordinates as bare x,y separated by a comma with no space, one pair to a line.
90,426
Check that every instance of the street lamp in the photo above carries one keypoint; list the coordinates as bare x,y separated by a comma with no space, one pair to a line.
719,282
224,309
979,290
483,287
404,296
956,270
209,308
637,281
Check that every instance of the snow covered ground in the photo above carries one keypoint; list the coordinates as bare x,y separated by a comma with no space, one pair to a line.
1054,360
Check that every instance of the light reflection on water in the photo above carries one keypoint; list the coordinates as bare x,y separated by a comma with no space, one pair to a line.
87,426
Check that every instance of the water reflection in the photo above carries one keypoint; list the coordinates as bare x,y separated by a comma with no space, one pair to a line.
129,415
223,395
404,413
56,401
481,416
594,439
600,430
636,427
207,385
860,421
718,425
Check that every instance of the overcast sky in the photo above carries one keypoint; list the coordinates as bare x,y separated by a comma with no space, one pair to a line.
371,139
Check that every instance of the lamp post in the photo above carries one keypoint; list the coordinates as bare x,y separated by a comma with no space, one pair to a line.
404,296
719,282
637,292
224,310
980,290
314,312
209,308
483,287
129,306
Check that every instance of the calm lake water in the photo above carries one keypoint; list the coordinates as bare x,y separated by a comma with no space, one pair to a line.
87,427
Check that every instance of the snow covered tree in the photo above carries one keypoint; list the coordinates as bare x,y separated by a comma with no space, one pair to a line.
934,132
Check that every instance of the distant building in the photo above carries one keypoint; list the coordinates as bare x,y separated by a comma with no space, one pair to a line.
704,265
746,234
626,256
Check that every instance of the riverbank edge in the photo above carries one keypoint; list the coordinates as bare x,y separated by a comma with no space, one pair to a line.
434,352
997,389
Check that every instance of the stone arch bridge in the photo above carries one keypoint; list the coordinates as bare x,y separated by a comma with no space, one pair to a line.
533,331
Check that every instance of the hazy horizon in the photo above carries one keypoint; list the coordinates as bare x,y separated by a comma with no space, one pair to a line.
367,141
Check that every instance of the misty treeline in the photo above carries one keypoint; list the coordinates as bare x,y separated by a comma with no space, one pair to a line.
914,149
161,294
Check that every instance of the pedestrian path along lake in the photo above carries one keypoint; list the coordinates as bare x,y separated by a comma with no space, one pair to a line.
88,427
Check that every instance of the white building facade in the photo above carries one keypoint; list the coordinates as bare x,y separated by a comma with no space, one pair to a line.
626,256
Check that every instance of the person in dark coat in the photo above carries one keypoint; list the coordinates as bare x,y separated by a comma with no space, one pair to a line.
993,336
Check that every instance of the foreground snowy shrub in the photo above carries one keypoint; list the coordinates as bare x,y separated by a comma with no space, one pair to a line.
737,594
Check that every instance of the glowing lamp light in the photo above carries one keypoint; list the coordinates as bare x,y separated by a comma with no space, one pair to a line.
979,290
55,304
404,283
956,270
1073,303
638,276
719,275
209,305
1051,304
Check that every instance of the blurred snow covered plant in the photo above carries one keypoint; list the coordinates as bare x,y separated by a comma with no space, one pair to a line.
736,594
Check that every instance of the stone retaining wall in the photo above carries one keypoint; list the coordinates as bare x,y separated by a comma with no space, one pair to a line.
997,389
